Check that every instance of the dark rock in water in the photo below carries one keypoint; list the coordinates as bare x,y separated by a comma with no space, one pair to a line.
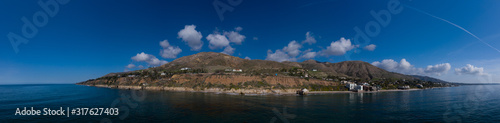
302,91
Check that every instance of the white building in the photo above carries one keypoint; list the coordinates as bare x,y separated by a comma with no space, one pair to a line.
237,70
344,82
359,88
163,74
185,68
314,69
351,86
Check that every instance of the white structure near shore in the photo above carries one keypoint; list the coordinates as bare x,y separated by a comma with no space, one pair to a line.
351,86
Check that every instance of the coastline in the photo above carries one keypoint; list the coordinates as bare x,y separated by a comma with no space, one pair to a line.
242,91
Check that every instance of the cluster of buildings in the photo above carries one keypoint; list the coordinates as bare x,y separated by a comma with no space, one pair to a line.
233,70
185,68
361,87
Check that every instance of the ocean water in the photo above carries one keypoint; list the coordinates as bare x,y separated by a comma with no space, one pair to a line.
472,103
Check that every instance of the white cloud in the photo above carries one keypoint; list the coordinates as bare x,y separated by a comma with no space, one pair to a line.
130,66
169,51
309,39
248,58
471,70
142,57
290,53
438,69
339,47
217,41
191,37
235,37
405,67
238,29
255,38
293,48
228,50
278,56
150,59
370,47
308,54
140,66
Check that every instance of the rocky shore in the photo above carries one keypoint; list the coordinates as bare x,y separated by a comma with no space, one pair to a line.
215,90
240,91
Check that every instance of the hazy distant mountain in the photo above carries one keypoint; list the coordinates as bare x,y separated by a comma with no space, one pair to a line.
426,78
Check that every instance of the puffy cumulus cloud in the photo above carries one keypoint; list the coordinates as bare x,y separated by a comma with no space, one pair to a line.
225,40
292,48
191,37
339,47
148,58
168,50
470,70
228,50
235,37
370,47
130,66
278,56
308,54
290,53
309,39
389,65
248,58
438,69
217,41
406,67
142,57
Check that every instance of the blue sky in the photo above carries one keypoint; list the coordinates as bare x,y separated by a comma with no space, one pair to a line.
88,39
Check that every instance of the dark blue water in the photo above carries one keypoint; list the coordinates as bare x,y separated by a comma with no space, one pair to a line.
475,103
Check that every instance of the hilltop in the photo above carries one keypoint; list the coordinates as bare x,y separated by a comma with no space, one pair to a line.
217,61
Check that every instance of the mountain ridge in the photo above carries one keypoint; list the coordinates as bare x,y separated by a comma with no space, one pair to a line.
210,70
353,69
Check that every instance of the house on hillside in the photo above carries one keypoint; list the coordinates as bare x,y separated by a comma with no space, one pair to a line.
314,69
185,68
237,70
404,87
163,74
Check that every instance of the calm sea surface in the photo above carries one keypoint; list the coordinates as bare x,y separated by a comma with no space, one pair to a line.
474,103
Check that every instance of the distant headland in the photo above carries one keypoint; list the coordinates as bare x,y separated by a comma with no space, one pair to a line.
217,72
